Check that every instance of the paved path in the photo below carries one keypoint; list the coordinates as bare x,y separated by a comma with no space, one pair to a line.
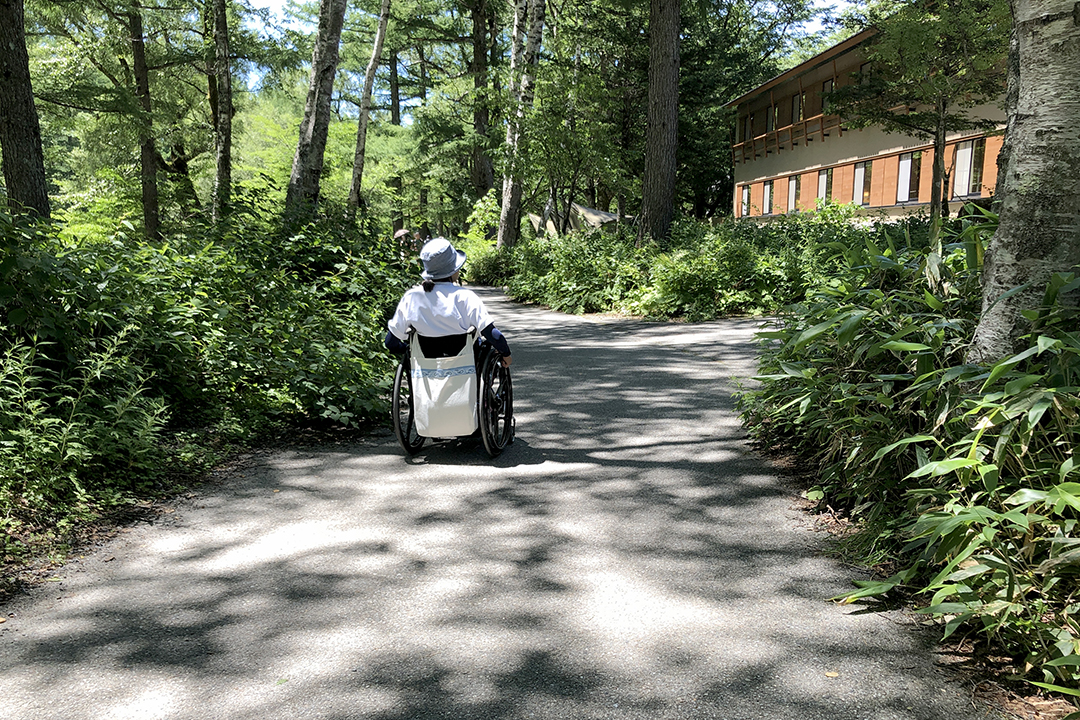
627,557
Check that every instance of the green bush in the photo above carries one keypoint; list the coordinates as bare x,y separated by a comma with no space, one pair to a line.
64,437
723,271
591,271
487,265
961,475
117,353
701,271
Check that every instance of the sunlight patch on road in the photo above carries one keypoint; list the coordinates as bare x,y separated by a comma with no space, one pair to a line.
287,542
637,628
147,705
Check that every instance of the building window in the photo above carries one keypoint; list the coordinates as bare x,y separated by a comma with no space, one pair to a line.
750,127
864,74
826,88
863,175
766,198
907,180
824,184
770,119
793,192
796,109
745,201
969,168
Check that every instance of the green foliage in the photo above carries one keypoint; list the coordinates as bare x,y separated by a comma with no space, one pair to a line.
702,271
487,265
963,474
103,342
929,66
64,436
592,271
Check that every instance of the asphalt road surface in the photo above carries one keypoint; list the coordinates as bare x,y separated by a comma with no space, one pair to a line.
627,557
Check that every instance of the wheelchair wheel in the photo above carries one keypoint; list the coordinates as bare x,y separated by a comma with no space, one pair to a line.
496,404
404,427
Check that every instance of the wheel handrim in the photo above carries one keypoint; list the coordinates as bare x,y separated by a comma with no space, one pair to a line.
404,417
497,398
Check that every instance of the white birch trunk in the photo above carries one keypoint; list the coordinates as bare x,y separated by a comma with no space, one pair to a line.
521,9
365,109
510,213
303,190
223,134
1038,183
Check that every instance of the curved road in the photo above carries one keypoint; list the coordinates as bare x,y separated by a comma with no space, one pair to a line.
627,557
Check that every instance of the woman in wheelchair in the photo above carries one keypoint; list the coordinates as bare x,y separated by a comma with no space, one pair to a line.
440,316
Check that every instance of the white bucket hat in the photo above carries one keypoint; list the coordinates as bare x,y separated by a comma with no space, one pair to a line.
440,259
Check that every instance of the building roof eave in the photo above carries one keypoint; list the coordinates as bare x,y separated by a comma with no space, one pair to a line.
804,67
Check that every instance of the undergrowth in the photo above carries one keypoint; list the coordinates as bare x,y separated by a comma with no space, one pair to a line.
701,271
126,364
961,475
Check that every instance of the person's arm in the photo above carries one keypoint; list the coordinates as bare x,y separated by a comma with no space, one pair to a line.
498,341
395,344
397,337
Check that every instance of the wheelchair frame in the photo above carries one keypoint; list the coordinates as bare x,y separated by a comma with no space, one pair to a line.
495,409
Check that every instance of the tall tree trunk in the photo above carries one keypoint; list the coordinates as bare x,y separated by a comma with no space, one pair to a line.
937,176
395,118
223,114
422,194
510,212
20,131
147,149
303,191
1038,184
549,207
662,125
207,10
481,168
365,110
570,193
425,225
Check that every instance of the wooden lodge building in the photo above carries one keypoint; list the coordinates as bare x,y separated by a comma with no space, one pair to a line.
789,152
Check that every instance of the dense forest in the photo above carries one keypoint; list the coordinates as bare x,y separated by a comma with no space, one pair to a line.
464,98
198,246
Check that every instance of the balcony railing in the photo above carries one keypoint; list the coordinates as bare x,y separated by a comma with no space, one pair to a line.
818,127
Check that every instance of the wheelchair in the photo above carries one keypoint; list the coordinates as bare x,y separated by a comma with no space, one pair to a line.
492,395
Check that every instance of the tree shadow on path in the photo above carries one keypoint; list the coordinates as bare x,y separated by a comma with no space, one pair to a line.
627,557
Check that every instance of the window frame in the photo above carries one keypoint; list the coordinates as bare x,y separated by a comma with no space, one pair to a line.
970,173
863,182
825,184
909,180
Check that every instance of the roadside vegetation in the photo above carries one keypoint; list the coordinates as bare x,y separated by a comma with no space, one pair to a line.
701,271
959,478
127,367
